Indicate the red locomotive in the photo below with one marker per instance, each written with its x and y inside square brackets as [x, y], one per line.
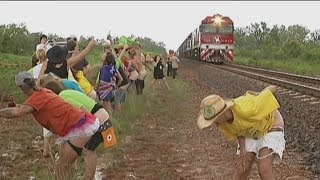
[213, 41]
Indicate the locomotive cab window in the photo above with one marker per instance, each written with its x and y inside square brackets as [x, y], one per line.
[226, 29]
[209, 28]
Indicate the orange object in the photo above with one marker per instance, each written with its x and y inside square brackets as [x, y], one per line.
[109, 137]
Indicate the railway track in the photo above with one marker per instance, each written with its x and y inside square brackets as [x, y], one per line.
[303, 84]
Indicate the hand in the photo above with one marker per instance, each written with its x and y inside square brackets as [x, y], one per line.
[272, 88]
[243, 151]
[92, 43]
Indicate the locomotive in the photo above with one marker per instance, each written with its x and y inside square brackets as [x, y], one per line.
[213, 41]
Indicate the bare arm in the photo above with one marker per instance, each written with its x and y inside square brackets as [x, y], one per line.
[123, 51]
[155, 63]
[241, 141]
[15, 112]
[120, 79]
[73, 60]
[86, 69]
[113, 52]
[42, 71]
[272, 88]
[135, 65]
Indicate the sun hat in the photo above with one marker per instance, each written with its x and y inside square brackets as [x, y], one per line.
[57, 54]
[211, 108]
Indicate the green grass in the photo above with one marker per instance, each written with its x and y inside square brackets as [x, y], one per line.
[297, 66]
[11, 58]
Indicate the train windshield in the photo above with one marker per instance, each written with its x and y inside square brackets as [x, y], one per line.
[226, 29]
[213, 29]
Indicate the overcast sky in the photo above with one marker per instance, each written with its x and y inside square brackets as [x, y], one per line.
[166, 21]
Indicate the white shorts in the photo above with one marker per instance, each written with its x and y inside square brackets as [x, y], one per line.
[272, 140]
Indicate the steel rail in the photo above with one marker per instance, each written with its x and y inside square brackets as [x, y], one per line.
[308, 90]
[308, 79]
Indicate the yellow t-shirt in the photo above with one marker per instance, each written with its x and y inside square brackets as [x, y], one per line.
[253, 115]
[83, 82]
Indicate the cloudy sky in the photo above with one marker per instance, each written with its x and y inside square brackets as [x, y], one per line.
[166, 21]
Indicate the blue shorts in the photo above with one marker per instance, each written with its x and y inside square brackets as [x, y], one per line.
[106, 96]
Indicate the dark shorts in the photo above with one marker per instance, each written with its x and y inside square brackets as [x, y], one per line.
[96, 107]
[97, 137]
[119, 96]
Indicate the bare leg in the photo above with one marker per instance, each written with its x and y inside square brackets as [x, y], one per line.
[90, 159]
[67, 156]
[153, 84]
[265, 164]
[107, 106]
[117, 107]
[243, 167]
[166, 83]
[48, 144]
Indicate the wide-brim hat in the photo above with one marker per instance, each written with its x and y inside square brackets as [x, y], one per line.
[57, 54]
[211, 108]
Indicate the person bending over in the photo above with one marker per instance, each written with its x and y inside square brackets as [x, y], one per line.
[254, 120]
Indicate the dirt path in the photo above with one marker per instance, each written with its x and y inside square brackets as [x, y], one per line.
[167, 144]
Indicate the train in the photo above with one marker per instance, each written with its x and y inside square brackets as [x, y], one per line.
[212, 41]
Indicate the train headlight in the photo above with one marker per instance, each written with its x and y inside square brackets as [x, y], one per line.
[218, 20]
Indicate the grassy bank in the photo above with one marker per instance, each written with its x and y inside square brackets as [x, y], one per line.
[297, 66]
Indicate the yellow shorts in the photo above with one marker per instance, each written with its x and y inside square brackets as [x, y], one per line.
[83, 82]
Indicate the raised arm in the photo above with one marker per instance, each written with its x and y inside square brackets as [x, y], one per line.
[86, 67]
[15, 112]
[113, 52]
[123, 51]
[155, 63]
[73, 60]
[42, 71]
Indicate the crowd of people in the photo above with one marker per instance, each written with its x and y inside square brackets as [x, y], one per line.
[78, 114]
[73, 111]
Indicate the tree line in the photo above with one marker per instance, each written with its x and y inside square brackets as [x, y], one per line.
[260, 41]
[17, 39]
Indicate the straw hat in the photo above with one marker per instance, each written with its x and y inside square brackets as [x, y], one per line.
[211, 108]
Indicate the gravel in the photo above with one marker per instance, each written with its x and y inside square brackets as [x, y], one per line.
[301, 115]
